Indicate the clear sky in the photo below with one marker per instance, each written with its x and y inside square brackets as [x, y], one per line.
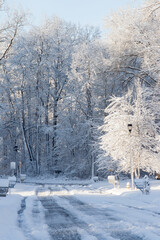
[84, 12]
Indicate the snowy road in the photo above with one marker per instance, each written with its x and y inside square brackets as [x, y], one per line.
[71, 219]
[79, 212]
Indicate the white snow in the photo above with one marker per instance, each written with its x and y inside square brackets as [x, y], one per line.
[4, 183]
[131, 210]
[8, 218]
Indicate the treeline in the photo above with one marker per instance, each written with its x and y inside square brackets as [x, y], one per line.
[56, 80]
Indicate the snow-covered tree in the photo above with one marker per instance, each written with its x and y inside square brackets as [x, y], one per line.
[11, 23]
[40, 72]
[133, 45]
[143, 142]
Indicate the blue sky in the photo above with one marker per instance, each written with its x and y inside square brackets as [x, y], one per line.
[84, 12]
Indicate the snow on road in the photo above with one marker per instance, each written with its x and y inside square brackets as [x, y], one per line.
[80, 212]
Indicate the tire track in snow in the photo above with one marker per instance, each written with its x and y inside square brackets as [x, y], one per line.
[63, 224]
[30, 220]
[21, 222]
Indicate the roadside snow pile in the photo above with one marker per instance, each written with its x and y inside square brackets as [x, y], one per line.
[8, 218]
[12, 181]
[4, 183]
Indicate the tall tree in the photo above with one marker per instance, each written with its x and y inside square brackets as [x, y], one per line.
[9, 30]
[144, 139]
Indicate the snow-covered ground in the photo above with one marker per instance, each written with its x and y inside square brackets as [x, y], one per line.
[93, 211]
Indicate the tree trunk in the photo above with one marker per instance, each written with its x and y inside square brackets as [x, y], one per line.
[55, 117]
[47, 152]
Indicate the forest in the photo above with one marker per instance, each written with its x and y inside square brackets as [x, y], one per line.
[68, 94]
